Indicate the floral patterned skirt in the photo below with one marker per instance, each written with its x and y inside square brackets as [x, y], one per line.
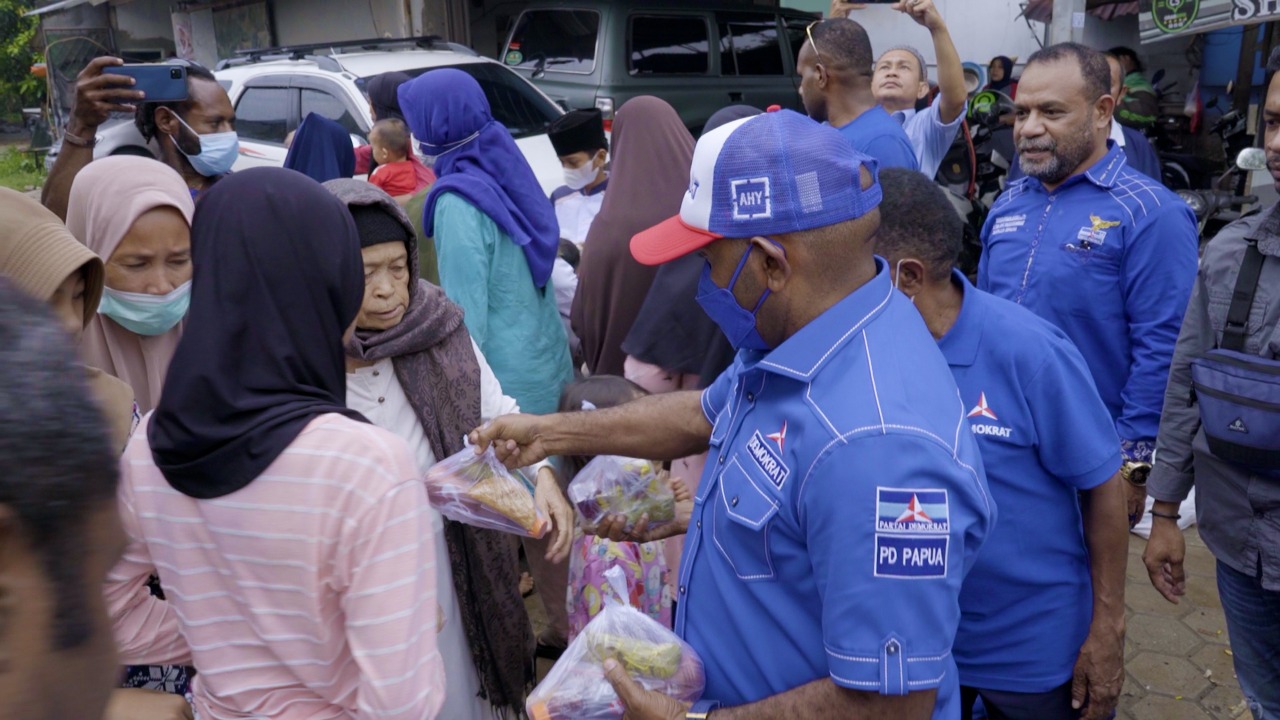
[646, 572]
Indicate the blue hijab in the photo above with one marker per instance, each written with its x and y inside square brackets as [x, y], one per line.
[321, 150]
[477, 159]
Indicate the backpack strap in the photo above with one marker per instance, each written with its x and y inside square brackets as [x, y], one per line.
[1233, 335]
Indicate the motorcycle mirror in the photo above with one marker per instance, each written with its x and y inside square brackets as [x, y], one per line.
[1252, 159]
[1155, 79]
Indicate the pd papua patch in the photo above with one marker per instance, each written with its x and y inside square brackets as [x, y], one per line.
[913, 529]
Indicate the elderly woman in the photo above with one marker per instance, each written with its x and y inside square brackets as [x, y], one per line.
[412, 368]
[292, 537]
[135, 213]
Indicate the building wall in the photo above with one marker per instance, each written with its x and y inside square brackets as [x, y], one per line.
[308, 21]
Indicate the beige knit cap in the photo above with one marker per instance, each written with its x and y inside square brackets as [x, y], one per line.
[38, 252]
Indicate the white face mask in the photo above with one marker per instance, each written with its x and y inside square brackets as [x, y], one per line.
[578, 178]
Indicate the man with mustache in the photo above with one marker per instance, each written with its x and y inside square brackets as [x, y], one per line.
[1088, 243]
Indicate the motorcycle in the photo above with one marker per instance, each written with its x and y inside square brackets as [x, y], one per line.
[1225, 202]
[1182, 166]
[973, 170]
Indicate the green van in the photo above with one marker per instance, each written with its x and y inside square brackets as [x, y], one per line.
[597, 53]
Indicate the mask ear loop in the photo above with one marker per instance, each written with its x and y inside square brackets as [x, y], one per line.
[743, 263]
[897, 276]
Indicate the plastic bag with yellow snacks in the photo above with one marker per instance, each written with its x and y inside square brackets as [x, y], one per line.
[576, 688]
[479, 490]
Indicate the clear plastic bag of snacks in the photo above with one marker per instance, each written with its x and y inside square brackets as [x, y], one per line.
[479, 490]
[577, 689]
[612, 485]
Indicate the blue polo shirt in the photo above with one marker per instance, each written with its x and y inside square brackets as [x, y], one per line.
[1044, 435]
[877, 134]
[842, 505]
[1109, 257]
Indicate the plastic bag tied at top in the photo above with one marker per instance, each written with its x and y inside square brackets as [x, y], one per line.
[576, 688]
[479, 490]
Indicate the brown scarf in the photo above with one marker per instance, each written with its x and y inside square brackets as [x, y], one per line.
[435, 363]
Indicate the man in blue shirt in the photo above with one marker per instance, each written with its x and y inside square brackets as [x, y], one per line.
[1138, 152]
[901, 80]
[844, 499]
[835, 66]
[1105, 253]
[1042, 613]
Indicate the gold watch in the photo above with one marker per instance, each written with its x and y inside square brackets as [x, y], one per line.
[1135, 473]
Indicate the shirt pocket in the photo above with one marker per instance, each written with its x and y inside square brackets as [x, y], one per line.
[744, 510]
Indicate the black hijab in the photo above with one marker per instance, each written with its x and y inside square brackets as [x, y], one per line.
[382, 94]
[1003, 85]
[278, 278]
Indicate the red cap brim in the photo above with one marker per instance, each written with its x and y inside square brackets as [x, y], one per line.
[668, 240]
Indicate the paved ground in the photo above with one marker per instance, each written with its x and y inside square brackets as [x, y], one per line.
[1177, 658]
[1178, 661]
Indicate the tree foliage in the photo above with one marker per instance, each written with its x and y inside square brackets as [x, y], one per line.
[18, 52]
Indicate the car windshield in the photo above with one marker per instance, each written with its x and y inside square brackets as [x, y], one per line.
[515, 103]
[556, 40]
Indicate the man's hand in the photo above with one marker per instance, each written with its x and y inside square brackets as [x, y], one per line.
[134, 704]
[516, 439]
[1164, 554]
[642, 704]
[923, 12]
[99, 94]
[1135, 497]
[614, 527]
[1099, 673]
[551, 502]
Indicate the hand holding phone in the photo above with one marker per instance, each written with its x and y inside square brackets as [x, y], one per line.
[159, 83]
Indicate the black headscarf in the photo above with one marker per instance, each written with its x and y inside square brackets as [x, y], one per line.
[1003, 85]
[278, 278]
[382, 94]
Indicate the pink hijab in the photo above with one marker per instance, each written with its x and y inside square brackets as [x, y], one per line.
[107, 198]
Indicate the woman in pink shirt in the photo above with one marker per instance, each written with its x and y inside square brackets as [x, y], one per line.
[292, 537]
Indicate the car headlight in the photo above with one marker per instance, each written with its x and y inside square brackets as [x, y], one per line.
[1194, 200]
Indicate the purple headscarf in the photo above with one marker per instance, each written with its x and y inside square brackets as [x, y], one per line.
[477, 159]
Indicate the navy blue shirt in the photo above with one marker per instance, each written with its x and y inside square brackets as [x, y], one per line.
[1044, 435]
[1109, 257]
[842, 505]
[875, 133]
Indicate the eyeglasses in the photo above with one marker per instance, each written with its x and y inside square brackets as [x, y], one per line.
[808, 32]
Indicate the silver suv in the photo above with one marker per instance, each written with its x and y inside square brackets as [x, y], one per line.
[272, 90]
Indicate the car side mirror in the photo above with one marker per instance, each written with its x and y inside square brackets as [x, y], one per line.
[1252, 159]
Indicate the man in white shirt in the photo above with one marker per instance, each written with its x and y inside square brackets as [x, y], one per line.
[902, 79]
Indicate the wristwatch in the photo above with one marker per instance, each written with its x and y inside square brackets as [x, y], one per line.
[701, 709]
[1135, 473]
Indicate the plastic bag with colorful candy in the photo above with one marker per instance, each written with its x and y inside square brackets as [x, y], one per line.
[612, 485]
[479, 490]
[576, 688]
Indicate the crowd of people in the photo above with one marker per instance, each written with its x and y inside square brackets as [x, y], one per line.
[901, 492]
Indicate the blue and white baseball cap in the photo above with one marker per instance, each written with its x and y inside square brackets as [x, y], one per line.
[766, 175]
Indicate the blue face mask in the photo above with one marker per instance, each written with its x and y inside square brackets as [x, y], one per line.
[218, 151]
[737, 322]
[146, 314]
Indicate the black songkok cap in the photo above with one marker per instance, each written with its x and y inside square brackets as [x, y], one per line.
[578, 131]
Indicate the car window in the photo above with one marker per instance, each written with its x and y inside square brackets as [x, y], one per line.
[556, 40]
[262, 114]
[796, 35]
[668, 45]
[323, 103]
[513, 100]
[749, 45]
